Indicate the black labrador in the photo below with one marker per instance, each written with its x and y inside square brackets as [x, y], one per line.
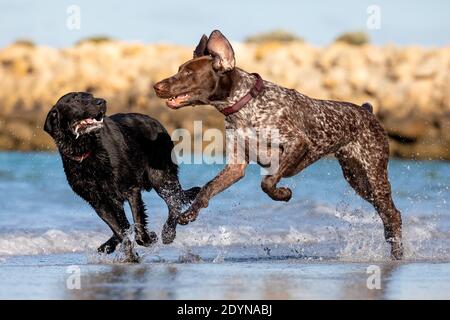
[110, 159]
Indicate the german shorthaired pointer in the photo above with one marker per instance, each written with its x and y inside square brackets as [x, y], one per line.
[308, 129]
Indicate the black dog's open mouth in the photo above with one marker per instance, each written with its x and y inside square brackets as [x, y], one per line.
[178, 101]
[87, 125]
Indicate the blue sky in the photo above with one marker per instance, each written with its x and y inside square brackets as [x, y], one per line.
[319, 22]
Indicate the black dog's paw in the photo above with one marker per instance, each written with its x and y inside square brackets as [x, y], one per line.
[109, 246]
[145, 238]
[168, 233]
[190, 195]
[129, 255]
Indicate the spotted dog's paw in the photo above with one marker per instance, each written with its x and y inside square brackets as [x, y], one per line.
[188, 217]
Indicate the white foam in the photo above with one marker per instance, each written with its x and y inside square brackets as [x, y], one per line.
[51, 241]
[346, 239]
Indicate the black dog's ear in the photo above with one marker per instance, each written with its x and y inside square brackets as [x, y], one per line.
[52, 122]
[201, 50]
[222, 52]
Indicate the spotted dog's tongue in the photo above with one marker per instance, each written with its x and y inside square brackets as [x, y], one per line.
[177, 100]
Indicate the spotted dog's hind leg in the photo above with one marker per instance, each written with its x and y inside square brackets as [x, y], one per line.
[366, 172]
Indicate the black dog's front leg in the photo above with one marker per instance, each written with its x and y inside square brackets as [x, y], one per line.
[109, 246]
[143, 237]
[115, 218]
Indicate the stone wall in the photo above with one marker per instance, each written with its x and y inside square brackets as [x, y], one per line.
[409, 87]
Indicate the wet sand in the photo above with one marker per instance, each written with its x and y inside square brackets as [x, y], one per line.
[272, 278]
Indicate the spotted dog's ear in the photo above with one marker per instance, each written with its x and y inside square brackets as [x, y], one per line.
[52, 122]
[222, 52]
[201, 50]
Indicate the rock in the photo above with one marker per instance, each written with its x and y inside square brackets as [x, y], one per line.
[409, 87]
[359, 78]
[427, 69]
[266, 49]
[410, 128]
[420, 95]
[19, 130]
[334, 77]
[6, 142]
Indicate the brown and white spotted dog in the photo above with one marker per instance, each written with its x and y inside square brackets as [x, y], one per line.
[308, 130]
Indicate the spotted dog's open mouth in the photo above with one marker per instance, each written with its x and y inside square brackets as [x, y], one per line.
[87, 125]
[178, 101]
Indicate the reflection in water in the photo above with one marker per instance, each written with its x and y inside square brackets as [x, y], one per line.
[357, 289]
[276, 280]
[124, 282]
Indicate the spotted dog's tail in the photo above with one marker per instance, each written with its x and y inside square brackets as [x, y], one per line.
[367, 106]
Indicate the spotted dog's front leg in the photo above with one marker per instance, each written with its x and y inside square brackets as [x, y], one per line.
[228, 176]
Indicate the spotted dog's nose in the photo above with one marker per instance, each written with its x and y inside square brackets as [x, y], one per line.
[160, 87]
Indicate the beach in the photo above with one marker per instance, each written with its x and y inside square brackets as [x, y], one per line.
[45, 277]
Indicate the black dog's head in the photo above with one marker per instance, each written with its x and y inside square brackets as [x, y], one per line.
[203, 78]
[75, 114]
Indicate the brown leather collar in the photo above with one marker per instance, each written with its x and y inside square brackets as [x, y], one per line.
[79, 158]
[253, 93]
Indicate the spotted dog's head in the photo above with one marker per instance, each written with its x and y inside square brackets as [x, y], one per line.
[204, 78]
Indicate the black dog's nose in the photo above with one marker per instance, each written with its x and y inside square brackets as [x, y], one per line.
[100, 102]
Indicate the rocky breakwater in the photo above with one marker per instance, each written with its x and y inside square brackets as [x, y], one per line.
[409, 87]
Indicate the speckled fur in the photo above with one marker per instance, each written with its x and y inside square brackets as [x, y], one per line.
[309, 129]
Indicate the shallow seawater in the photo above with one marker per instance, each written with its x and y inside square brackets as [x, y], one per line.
[244, 245]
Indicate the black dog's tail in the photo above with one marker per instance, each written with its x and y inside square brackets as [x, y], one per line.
[190, 194]
[367, 106]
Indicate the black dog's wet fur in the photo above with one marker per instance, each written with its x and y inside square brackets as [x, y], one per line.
[130, 153]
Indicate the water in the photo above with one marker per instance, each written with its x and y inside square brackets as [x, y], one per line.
[243, 239]
[319, 22]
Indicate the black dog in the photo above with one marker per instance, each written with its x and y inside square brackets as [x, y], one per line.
[108, 160]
